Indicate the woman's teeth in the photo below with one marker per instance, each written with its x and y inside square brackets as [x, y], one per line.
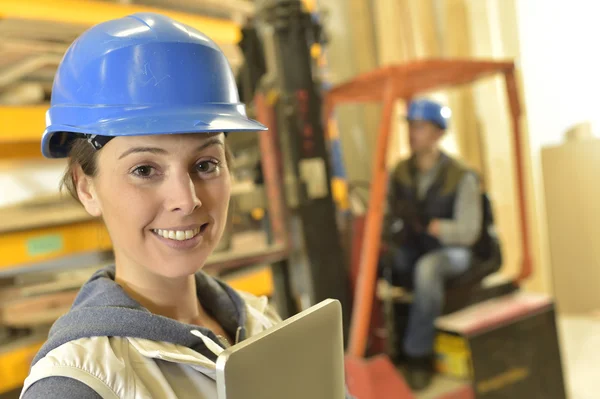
[177, 235]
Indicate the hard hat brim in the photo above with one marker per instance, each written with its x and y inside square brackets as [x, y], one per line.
[434, 122]
[57, 137]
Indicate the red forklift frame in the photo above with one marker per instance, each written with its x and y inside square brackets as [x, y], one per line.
[386, 85]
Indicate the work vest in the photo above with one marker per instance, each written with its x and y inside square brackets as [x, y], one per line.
[438, 202]
[134, 368]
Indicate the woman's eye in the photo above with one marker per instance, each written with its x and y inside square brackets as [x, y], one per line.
[143, 171]
[207, 166]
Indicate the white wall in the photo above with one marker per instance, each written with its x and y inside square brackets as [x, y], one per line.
[561, 66]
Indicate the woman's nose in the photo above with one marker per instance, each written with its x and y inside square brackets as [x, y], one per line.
[181, 194]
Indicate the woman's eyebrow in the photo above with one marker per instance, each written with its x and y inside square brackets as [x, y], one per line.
[162, 151]
[135, 150]
[209, 143]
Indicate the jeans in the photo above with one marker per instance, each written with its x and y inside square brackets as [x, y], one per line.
[426, 275]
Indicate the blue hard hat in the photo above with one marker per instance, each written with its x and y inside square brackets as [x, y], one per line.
[430, 111]
[144, 74]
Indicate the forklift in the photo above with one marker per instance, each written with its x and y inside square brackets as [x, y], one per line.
[280, 82]
[404, 82]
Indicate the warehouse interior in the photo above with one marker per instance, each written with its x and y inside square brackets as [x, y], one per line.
[333, 81]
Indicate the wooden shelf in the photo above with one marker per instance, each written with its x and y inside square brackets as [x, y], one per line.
[42, 212]
[38, 232]
[50, 243]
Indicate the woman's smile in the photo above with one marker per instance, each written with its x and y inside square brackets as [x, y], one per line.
[183, 238]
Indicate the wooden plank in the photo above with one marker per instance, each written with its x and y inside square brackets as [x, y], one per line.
[221, 262]
[35, 311]
[62, 281]
[42, 213]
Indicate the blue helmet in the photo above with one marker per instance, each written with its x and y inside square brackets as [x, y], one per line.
[144, 74]
[430, 111]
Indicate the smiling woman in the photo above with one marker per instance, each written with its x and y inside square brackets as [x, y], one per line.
[163, 198]
[142, 116]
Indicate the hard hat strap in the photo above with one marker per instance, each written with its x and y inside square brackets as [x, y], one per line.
[98, 141]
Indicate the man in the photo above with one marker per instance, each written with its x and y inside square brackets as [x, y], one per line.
[434, 218]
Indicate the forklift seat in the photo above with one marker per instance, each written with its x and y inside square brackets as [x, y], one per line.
[456, 288]
[481, 267]
[467, 289]
[487, 259]
[462, 291]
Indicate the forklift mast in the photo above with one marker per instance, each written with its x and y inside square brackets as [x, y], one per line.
[287, 32]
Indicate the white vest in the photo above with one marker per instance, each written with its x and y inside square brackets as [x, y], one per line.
[133, 368]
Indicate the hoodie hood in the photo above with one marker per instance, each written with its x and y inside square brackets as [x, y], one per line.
[102, 308]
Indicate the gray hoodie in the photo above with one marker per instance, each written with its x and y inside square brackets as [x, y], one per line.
[102, 308]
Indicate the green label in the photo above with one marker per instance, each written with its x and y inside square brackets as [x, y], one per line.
[44, 245]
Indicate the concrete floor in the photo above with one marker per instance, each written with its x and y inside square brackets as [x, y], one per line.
[441, 386]
[580, 348]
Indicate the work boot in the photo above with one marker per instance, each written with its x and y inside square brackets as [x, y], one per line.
[419, 372]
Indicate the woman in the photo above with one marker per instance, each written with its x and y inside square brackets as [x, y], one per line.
[140, 106]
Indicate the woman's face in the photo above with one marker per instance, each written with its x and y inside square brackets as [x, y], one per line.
[163, 198]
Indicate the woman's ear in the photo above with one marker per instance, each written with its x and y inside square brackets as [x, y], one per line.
[86, 192]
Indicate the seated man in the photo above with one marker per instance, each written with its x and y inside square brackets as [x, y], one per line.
[434, 218]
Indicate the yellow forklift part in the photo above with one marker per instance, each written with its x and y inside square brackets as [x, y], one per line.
[257, 213]
[339, 191]
[316, 51]
[89, 12]
[256, 281]
[47, 243]
[15, 360]
[453, 356]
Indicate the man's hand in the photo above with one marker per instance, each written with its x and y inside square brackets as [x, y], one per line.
[434, 227]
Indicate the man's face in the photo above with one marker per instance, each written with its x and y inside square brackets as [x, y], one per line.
[424, 136]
